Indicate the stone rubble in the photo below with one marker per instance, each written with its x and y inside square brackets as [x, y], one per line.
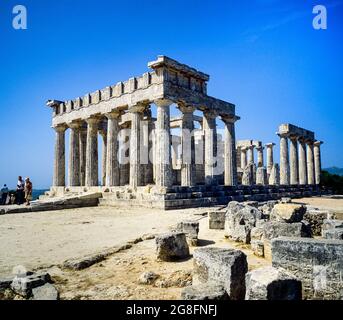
[171, 246]
[205, 291]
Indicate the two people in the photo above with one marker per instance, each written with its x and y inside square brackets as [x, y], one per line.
[24, 191]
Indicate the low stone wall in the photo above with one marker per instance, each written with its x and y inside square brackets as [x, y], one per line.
[317, 263]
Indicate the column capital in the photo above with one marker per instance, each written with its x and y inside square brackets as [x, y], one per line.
[229, 119]
[139, 107]
[318, 143]
[210, 114]
[60, 128]
[282, 135]
[163, 103]
[92, 120]
[259, 148]
[293, 137]
[114, 114]
[270, 145]
[309, 142]
[185, 108]
[74, 125]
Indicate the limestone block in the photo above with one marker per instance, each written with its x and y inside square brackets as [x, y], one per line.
[317, 263]
[171, 246]
[148, 277]
[216, 220]
[191, 230]
[23, 284]
[316, 219]
[331, 224]
[225, 267]
[5, 283]
[257, 246]
[286, 200]
[288, 212]
[204, 291]
[261, 176]
[269, 283]
[45, 292]
[333, 234]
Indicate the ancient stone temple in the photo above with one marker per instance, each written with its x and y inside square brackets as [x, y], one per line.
[144, 163]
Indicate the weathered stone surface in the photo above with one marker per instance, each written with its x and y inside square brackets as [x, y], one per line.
[272, 284]
[316, 219]
[317, 263]
[261, 176]
[288, 212]
[286, 200]
[216, 220]
[274, 229]
[205, 291]
[267, 207]
[171, 246]
[191, 230]
[84, 262]
[5, 283]
[333, 234]
[148, 277]
[257, 246]
[239, 220]
[23, 284]
[223, 266]
[329, 224]
[45, 292]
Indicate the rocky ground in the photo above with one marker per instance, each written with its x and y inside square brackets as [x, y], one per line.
[45, 240]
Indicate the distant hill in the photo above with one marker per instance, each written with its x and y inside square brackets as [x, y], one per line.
[335, 170]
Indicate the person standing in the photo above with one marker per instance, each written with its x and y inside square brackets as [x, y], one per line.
[4, 194]
[28, 191]
[20, 191]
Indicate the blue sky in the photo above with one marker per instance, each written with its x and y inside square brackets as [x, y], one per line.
[262, 55]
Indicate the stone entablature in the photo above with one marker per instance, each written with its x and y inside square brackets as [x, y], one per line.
[291, 130]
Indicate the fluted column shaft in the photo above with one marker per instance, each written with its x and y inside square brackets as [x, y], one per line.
[103, 134]
[284, 160]
[164, 177]
[59, 160]
[270, 157]
[188, 146]
[92, 153]
[317, 161]
[251, 154]
[302, 162]
[259, 156]
[83, 146]
[230, 156]
[243, 158]
[294, 175]
[310, 162]
[74, 155]
[210, 132]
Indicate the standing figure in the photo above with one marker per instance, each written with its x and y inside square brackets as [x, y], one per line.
[28, 191]
[20, 191]
[4, 194]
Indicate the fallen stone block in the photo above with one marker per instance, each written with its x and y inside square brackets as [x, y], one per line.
[148, 277]
[45, 292]
[316, 219]
[331, 224]
[23, 284]
[288, 212]
[204, 291]
[84, 262]
[216, 220]
[285, 200]
[257, 246]
[171, 246]
[191, 230]
[257, 233]
[267, 207]
[226, 267]
[272, 284]
[333, 234]
[317, 263]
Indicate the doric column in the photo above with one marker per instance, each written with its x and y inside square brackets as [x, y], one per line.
[164, 177]
[188, 146]
[210, 132]
[284, 160]
[112, 164]
[270, 157]
[136, 168]
[294, 176]
[302, 162]
[59, 160]
[251, 158]
[230, 156]
[92, 152]
[243, 157]
[83, 144]
[259, 156]
[317, 161]
[103, 133]
[74, 155]
[147, 148]
[274, 177]
[310, 162]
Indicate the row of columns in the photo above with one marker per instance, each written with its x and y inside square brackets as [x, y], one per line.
[301, 164]
[83, 151]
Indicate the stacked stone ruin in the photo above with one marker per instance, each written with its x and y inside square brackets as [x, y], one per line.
[163, 170]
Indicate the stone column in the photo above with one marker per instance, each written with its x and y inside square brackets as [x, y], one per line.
[136, 168]
[317, 161]
[83, 144]
[112, 164]
[274, 177]
[164, 176]
[210, 132]
[259, 156]
[302, 162]
[59, 160]
[310, 162]
[147, 151]
[188, 146]
[103, 133]
[92, 152]
[230, 156]
[74, 155]
[270, 157]
[294, 176]
[284, 160]
[251, 158]
[243, 158]
[261, 176]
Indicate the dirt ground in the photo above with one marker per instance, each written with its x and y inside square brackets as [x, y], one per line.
[45, 240]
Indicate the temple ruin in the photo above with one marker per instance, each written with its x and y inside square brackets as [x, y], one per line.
[144, 163]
